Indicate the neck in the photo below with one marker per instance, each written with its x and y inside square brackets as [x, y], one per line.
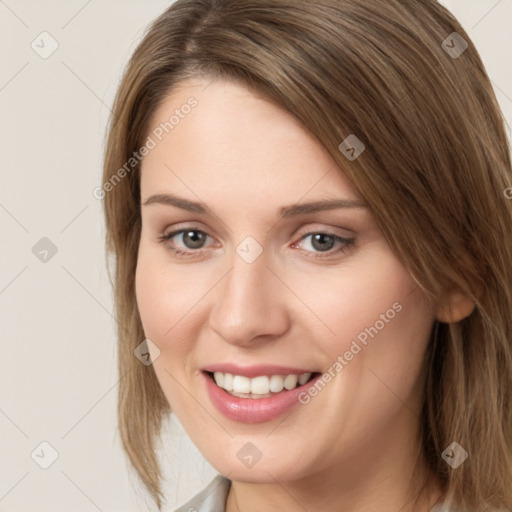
[385, 476]
[321, 496]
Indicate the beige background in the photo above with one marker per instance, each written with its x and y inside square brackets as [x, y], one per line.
[58, 365]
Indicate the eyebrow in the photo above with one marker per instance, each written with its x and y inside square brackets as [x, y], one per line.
[285, 211]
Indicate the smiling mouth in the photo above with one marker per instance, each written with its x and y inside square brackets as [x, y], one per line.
[263, 386]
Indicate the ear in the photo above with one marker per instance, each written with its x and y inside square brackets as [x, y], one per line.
[455, 308]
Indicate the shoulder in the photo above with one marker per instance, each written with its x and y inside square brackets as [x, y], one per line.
[211, 499]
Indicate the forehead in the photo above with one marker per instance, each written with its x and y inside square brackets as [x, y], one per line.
[218, 136]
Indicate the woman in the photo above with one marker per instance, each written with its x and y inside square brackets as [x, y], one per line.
[307, 206]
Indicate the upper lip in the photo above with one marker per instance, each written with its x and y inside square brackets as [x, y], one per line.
[255, 370]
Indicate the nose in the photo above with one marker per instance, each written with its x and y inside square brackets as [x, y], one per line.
[249, 304]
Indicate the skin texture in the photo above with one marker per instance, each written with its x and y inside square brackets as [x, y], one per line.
[353, 446]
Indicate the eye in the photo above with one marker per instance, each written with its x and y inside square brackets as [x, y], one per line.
[323, 243]
[192, 239]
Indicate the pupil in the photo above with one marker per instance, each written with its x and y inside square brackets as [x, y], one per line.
[320, 239]
[195, 239]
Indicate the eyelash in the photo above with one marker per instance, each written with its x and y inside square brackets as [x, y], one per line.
[347, 243]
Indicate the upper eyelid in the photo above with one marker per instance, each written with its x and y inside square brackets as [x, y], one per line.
[176, 230]
[196, 226]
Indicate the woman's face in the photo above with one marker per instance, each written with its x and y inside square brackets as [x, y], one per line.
[267, 284]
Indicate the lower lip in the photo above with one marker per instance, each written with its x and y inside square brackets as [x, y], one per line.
[254, 410]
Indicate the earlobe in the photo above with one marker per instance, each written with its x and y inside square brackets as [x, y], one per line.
[457, 307]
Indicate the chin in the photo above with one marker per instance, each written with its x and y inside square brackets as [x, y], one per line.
[262, 472]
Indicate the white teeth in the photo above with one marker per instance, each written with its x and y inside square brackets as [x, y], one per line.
[260, 385]
[304, 378]
[228, 382]
[290, 382]
[276, 383]
[239, 385]
[219, 378]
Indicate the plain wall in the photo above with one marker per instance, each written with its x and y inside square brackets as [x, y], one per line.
[58, 367]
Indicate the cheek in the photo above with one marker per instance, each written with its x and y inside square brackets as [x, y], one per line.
[383, 329]
[152, 296]
[163, 298]
[371, 297]
[165, 301]
[374, 361]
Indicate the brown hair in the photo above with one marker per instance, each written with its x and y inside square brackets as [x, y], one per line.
[434, 171]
